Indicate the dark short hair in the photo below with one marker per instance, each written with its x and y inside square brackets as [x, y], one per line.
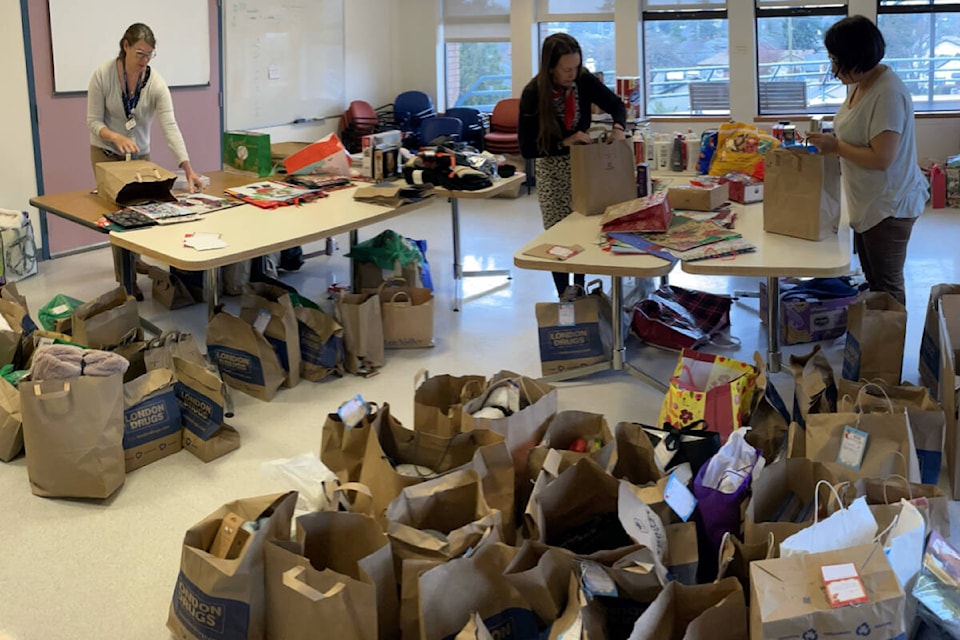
[134, 34]
[855, 43]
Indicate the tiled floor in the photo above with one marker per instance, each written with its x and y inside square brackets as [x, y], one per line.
[77, 570]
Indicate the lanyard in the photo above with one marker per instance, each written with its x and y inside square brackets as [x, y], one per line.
[130, 102]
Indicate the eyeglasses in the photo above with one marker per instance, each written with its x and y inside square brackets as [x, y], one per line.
[145, 55]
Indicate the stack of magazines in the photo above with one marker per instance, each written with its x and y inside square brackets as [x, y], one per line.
[688, 238]
[185, 208]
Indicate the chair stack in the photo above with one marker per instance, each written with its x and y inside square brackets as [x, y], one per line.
[410, 109]
[474, 125]
[437, 129]
[357, 121]
[504, 121]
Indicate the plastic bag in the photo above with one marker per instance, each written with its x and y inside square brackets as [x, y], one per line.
[305, 474]
[385, 250]
[740, 147]
[731, 466]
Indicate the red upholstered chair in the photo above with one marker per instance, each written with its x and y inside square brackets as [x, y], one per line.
[357, 121]
[502, 137]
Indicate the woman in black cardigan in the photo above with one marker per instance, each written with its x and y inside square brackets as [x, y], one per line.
[555, 110]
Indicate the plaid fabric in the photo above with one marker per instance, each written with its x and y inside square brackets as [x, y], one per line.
[678, 318]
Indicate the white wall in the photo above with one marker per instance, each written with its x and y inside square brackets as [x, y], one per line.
[17, 178]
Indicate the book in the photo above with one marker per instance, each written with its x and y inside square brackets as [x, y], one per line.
[186, 205]
[269, 194]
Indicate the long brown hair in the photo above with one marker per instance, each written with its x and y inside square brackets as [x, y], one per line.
[554, 47]
[134, 34]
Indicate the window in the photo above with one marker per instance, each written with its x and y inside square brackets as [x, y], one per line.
[686, 59]
[923, 47]
[591, 23]
[476, 52]
[793, 69]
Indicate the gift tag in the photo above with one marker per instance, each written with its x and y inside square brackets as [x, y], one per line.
[561, 252]
[852, 446]
[565, 315]
[353, 411]
[679, 498]
[843, 583]
[662, 455]
[59, 309]
[263, 319]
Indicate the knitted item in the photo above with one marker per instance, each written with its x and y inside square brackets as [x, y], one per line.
[60, 361]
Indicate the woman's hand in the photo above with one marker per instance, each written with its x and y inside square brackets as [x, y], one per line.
[194, 183]
[578, 137]
[125, 144]
[616, 133]
[826, 143]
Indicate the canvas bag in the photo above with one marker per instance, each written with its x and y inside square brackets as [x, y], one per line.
[365, 452]
[246, 359]
[523, 429]
[788, 598]
[801, 193]
[200, 392]
[438, 400]
[321, 341]
[876, 331]
[700, 612]
[339, 572]
[278, 324]
[601, 175]
[73, 435]
[19, 257]
[360, 316]
[927, 420]
[225, 598]
[110, 319]
[890, 448]
[11, 422]
[451, 593]
[134, 182]
[151, 419]
[716, 389]
[570, 334]
[815, 390]
[407, 316]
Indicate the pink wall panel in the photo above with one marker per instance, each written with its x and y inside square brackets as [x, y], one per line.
[65, 142]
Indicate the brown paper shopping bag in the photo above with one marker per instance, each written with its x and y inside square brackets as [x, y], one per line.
[106, 321]
[700, 612]
[12, 341]
[788, 598]
[451, 593]
[200, 392]
[338, 577]
[574, 435]
[438, 400]
[278, 324]
[222, 595]
[11, 422]
[161, 351]
[815, 389]
[73, 435]
[407, 316]
[801, 193]
[151, 419]
[601, 175]
[570, 334]
[362, 320]
[169, 290]
[246, 360]
[134, 182]
[321, 344]
[876, 331]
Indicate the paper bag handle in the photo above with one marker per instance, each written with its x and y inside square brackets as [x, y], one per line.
[880, 389]
[293, 579]
[816, 498]
[52, 395]
[393, 298]
[906, 483]
[419, 378]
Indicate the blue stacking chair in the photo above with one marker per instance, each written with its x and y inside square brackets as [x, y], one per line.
[439, 127]
[474, 125]
[410, 108]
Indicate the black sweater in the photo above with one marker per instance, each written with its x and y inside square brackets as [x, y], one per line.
[590, 91]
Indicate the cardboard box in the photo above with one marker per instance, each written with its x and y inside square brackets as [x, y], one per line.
[746, 193]
[247, 151]
[806, 319]
[698, 198]
[949, 320]
[381, 154]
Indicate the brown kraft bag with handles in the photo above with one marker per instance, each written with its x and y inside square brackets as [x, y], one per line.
[134, 182]
[601, 175]
[247, 361]
[280, 329]
[108, 320]
[801, 194]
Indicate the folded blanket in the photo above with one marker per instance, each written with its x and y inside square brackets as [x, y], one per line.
[59, 361]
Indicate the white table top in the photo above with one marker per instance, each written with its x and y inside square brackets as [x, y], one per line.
[250, 231]
[776, 255]
[499, 186]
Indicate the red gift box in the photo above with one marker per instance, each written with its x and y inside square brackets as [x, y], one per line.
[652, 213]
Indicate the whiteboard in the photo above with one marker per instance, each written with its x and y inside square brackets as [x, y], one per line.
[283, 61]
[86, 34]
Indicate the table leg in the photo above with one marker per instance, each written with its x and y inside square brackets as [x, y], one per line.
[457, 267]
[354, 271]
[128, 270]
[773, 324]
[212, 286]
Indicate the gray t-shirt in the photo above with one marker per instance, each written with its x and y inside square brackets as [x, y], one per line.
[105, 109]
[900, 190]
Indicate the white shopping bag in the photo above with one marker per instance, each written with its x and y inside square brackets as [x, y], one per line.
[844, 528]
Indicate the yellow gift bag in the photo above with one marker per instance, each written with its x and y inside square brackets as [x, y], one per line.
[716, 389]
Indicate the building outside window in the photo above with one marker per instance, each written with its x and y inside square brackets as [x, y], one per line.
[477, 60]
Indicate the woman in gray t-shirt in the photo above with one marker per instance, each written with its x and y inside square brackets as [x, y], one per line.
[884, 188]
